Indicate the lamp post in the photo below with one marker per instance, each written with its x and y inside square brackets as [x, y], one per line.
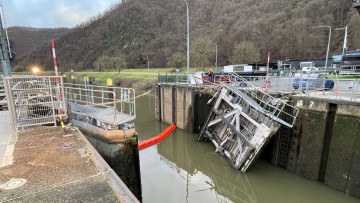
[188, 42]
[345, 38]
[328, 46]
[216, 57]
[35, 70]
[327, 51]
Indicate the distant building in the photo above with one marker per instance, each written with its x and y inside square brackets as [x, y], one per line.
[336, 61]
[262, 66]
[295, 63]
[350, 63]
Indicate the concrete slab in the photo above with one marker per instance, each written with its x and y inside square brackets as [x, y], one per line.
[50, 166]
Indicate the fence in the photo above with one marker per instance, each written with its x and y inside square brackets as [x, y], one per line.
[111, 105]
[172, 78]
[34, 100]
[275, 108]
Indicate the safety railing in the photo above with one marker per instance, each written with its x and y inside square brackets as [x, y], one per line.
[2, 89]
[172, 78]
[119, 102]
[344, 89]
[34, 100]
[273, 107]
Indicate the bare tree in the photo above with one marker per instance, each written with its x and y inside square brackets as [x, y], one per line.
[201, 50]
[245, 52]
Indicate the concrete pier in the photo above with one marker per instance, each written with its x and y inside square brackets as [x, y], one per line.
[50, 165]
[180, 104]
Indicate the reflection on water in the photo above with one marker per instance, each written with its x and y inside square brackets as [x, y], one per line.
[182, 170]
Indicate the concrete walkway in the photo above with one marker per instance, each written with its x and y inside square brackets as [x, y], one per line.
[53, 166]
[5, 132]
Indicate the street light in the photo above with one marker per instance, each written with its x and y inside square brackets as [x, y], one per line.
[35, 70]
[345, 39]
[327, 52]
[188, 41]
[328, 46]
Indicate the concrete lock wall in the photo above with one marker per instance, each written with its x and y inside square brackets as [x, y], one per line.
[308, 135]
[158, 103]
[326, 144]
[184, 104]
[343, 168]
[166, 103]
[176, 105]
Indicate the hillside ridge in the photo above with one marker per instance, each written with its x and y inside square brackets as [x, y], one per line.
[132, 32]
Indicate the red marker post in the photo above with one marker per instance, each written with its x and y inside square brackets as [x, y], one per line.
[267, 82]
[57, 79]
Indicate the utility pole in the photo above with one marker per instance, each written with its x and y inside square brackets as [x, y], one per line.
[216, 57]
[345, 38]
[345, 41]
[4, 45]
[327, 52]
[148, 63]
[188, 42]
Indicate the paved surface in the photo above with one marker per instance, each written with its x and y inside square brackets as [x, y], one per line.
[50, 166]
[5, 131]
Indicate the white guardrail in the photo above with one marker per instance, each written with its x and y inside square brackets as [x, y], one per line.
[89, 100]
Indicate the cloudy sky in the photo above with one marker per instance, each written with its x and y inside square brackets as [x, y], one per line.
[52, 13]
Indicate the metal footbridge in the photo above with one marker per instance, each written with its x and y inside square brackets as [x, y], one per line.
[105, 106]
[243, 119]
[39, 100]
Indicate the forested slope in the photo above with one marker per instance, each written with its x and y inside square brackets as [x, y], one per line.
[130, 33]
[27, 39]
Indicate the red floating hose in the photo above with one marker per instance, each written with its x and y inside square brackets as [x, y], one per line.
[158, 138]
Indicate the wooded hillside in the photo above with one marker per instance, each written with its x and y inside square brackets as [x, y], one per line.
[131, 33]
[27, 39]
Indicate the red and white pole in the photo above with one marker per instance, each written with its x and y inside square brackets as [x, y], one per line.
[57, 78]
[54, 56]
[267, 82]
[267, 67]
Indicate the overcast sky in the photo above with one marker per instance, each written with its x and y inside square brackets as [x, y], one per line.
[52, 13]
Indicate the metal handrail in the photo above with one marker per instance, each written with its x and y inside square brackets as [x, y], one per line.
[274, 107]
[121, 100]
[34, 100]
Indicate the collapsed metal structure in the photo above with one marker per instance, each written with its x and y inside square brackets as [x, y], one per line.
[243, 119]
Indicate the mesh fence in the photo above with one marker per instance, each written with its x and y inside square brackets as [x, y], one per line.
[35, 100]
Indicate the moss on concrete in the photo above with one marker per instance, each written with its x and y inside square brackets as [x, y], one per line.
[343, 169]
[311, 125]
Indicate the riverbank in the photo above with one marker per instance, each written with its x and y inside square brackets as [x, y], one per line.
[132, 78]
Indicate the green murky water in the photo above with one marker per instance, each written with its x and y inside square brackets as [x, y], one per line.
[182, 170]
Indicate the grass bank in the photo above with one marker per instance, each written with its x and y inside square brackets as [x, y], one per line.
[345, 76]
[136, 78]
